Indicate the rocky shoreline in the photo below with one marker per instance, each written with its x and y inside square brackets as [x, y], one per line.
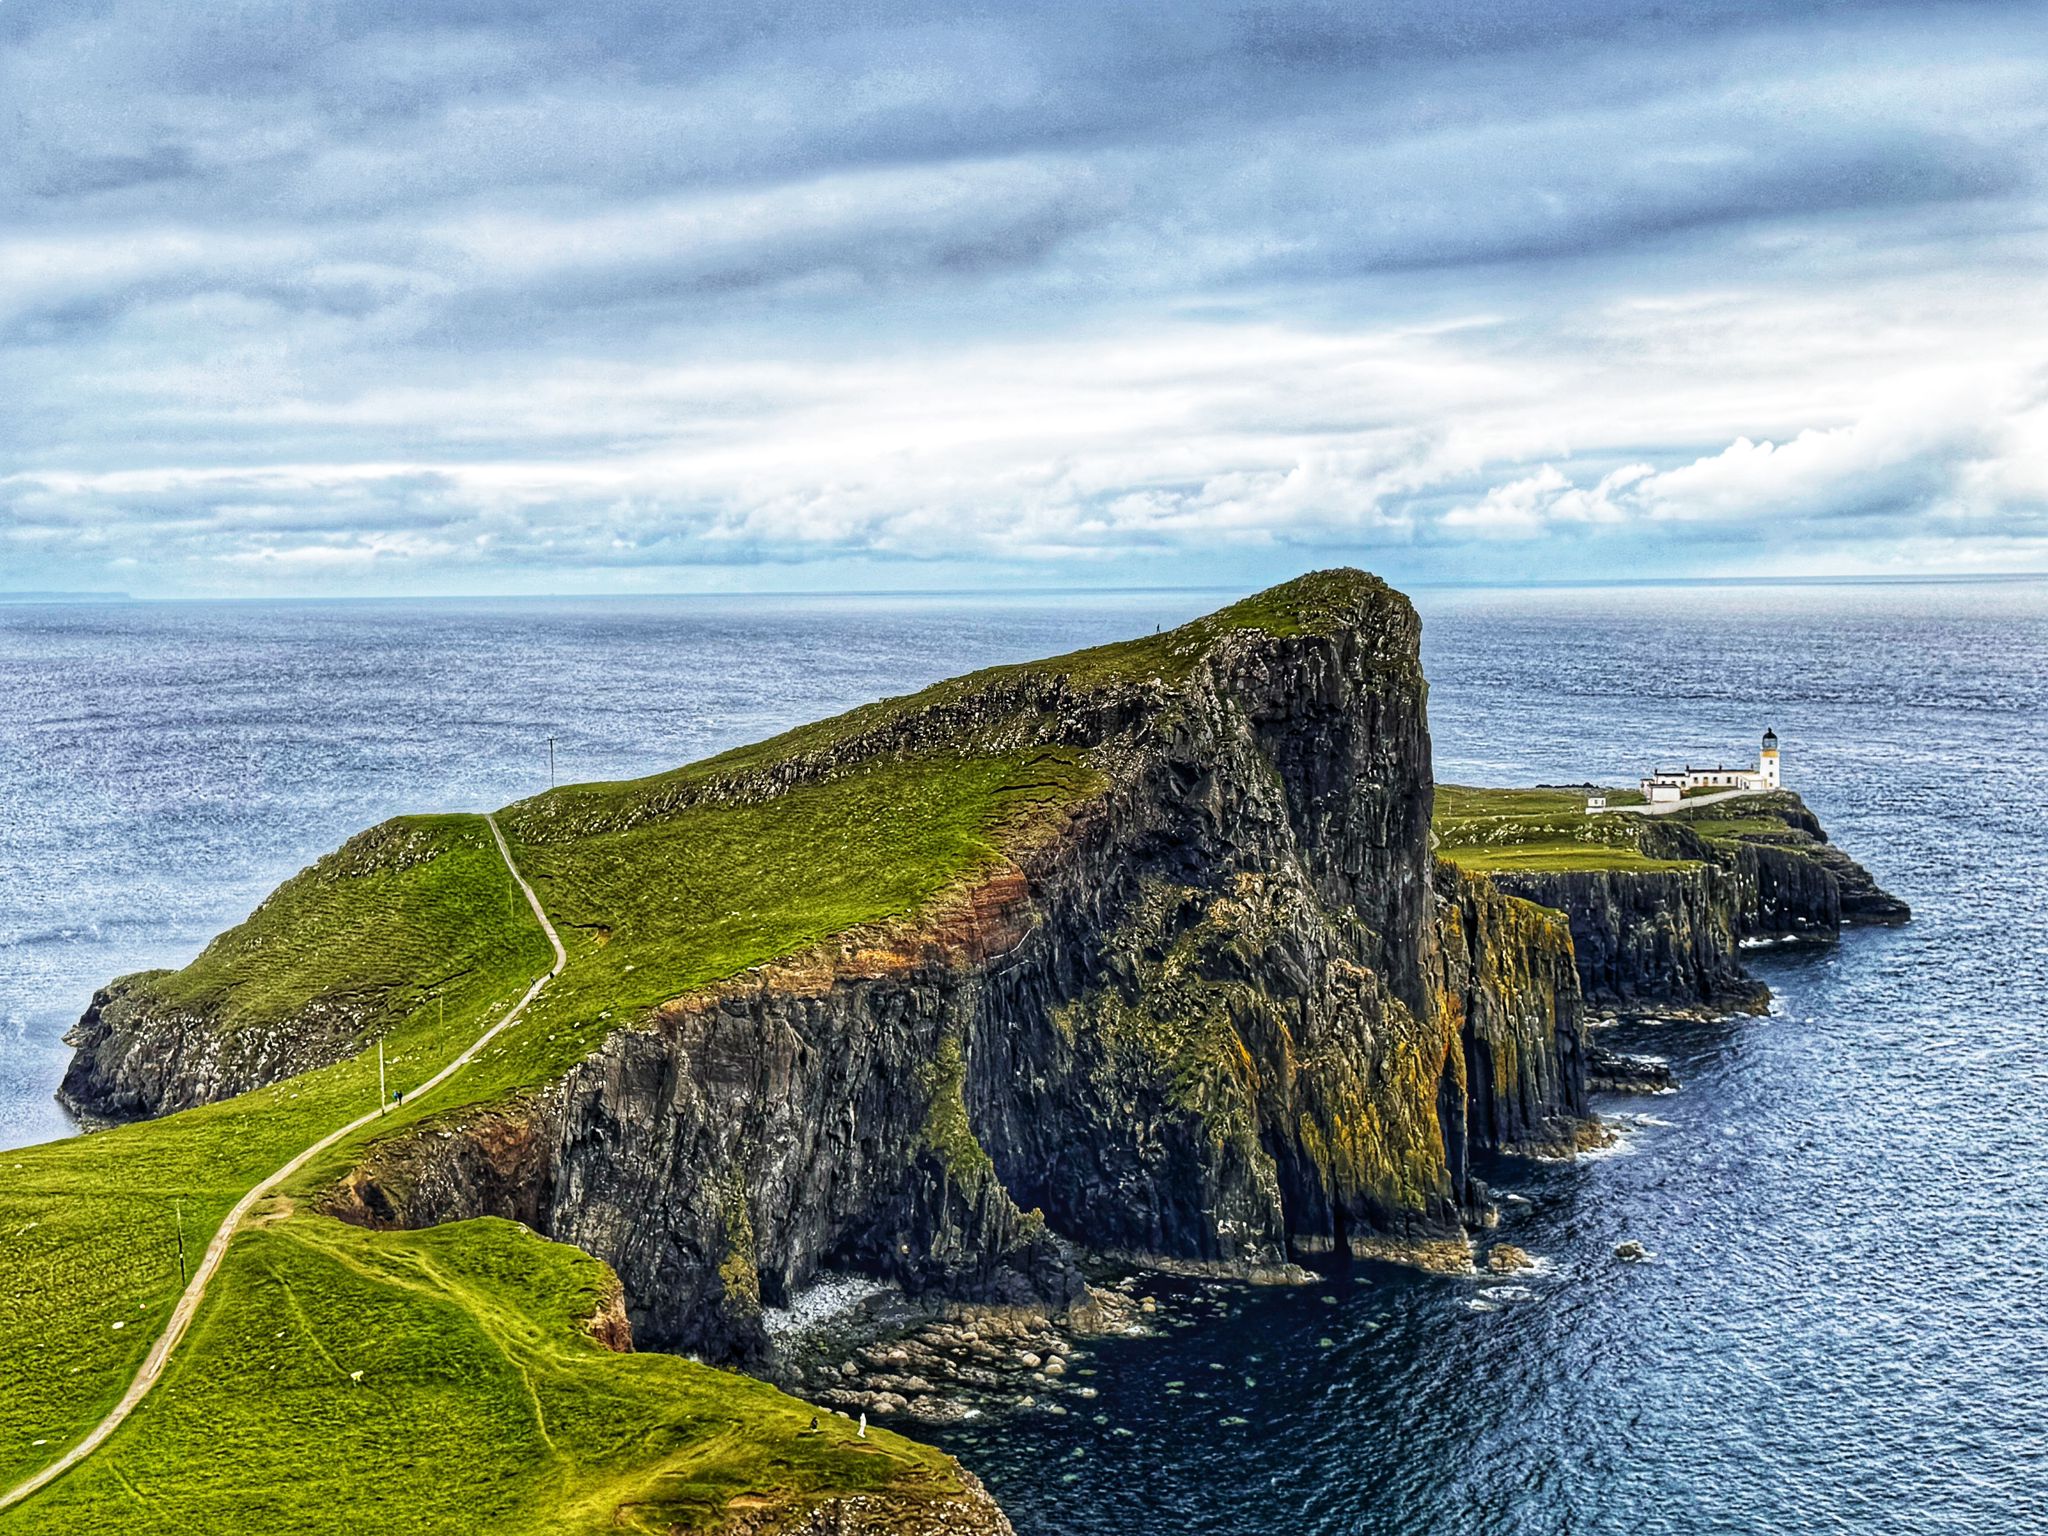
[948, 1363]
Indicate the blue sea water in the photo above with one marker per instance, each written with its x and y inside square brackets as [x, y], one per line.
[1842, 1329]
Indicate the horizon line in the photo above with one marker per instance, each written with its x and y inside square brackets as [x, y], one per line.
[34, 597]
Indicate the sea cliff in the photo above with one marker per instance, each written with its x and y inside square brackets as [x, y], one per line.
[1170, 952]
[1223, 1009]
[1214, 1001]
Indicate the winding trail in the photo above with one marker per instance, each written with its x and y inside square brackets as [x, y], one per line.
[195, 1290]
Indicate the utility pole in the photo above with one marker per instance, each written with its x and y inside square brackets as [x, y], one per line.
[551, 762]
[380, 1075]
[178, 1217]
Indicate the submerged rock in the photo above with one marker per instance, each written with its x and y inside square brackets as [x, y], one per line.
[1613, 1072]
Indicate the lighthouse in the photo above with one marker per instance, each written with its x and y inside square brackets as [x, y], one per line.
[1767, 761]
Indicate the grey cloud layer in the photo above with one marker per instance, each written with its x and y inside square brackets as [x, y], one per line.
[440, 291]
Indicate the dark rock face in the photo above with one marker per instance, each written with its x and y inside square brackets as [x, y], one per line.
[1782, 893]
[1656, 938]
[1508, 975]
[1230, 1013]
[130, 1060]
[134, 1057]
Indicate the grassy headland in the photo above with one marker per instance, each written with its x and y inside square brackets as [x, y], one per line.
[89, 1227]
[484, 1403]
[443, 948]
[1548, 830]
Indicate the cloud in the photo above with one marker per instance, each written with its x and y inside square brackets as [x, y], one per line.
[1935, 462]
[466, 294]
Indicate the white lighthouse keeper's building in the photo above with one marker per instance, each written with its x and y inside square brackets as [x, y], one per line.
[1671, 784]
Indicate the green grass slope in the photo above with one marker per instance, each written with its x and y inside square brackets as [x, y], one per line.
[90, 1240]
[484, 1405]
[410, 909]
[255, 1426]
[89, 1226]
[703, 893]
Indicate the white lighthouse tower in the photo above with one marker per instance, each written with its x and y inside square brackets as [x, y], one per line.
[1767, 761]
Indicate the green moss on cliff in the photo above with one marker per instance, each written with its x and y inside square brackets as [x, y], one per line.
[1178, 1027]
[739, 1274]
[946, 1128]
[1508, 986]
[1371, 1127]
[1194, 1028]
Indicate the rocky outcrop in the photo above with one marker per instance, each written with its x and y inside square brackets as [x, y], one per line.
[1779, 893]
[1616, 1072]
[1790, 881]
[1226, 1012]
[608, 1323]
[133, 1057]
[970, 1513]
[1667, 939]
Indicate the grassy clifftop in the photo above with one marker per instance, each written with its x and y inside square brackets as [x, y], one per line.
[1540, 831]
[1491, 831]
[994, 710]
[484, 1404]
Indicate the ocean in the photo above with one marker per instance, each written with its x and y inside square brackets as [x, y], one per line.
[1841, 1327]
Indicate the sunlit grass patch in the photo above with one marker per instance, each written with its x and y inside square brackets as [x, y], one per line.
[89, 1226]
[1496, 831]
[483, 1404]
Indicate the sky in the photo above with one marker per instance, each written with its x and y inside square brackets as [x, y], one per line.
[489, 296]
